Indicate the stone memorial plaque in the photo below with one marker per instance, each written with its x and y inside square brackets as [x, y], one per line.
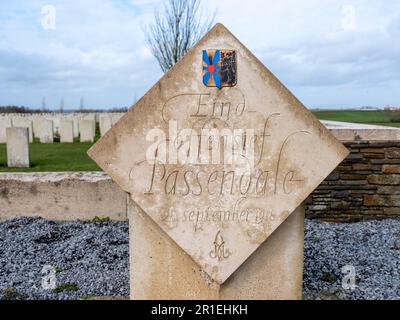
[218, 153]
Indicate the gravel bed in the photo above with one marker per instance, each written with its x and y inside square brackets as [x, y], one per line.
[372, 248]
[91, 259]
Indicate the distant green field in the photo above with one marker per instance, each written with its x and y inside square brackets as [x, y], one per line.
[370, 117]
[53, 157]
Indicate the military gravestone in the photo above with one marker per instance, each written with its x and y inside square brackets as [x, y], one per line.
[86, 130]
[218, 157]
[18, 147]
[66, 131]
[46, 131]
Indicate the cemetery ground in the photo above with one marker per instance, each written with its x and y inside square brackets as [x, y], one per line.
[91, 259]
[55, 157]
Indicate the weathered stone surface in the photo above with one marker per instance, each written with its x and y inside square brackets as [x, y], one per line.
[388, 179]
[365, 166]
[61, 196]
[216, 211]
[4, 124]
[24, 123]
[366, 134]
[17, 147]
[354, 156]
[373, 150]
[91, 117]
[382, 200]
[373, 155]
[395, 211]
[86, 130]
[391, 168]
[371, 190]
[388, 190]
[66, 131]
[115, 118]
[352, 176]
[385, 161]
[161, 270]
[382, 182]
[393, 153]
[46, 134]
[332, 177]
[319, 207]
[351, 183]
[105, 124]
[340, 205]
[36, 125]
[340, 194]
[76, 126]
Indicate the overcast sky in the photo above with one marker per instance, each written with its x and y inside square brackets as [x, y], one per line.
[328, 53]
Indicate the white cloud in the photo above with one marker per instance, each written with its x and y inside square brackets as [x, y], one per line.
[98, 49]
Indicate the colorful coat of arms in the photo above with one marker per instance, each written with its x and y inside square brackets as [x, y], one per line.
[219, 68]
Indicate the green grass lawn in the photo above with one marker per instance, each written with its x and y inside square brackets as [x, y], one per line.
[53, 157]
[369, 117]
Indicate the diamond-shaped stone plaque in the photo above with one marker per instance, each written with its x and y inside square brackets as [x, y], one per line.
[218, 153]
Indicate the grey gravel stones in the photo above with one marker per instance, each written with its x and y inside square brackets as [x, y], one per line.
[372, 248]
[91, 259]
[88, 258]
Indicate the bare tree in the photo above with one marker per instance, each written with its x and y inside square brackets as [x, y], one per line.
[82, 104]
[43, 103]
[175, 31]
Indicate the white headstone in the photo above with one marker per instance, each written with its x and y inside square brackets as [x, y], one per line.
[24, 123]
[56, 122]
[116, 117]
[17, 147]
[86, 129]
[75, 120]
[91, 116]
[5, 123]
[36, 124]
[66, 131]
[105, 124]
[46, 134]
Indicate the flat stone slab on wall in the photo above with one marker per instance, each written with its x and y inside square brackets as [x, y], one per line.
[61, 196]
[346, 131]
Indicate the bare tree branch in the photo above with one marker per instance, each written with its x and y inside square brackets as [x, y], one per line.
[175, 31]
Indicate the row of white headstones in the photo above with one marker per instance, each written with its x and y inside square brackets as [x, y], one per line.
[18, 130]
[44, 127]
